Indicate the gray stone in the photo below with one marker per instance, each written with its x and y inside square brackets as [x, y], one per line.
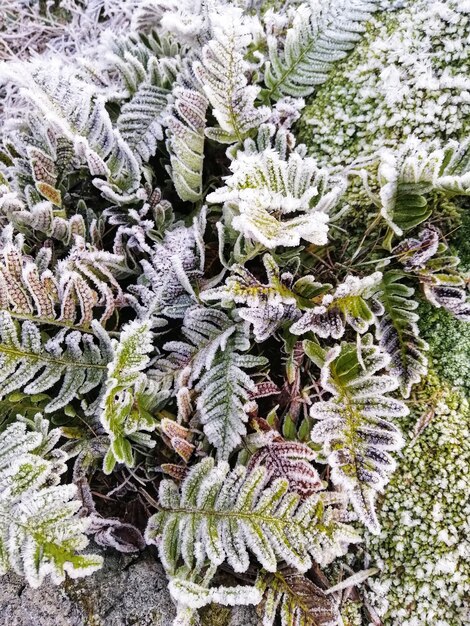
[126, 592]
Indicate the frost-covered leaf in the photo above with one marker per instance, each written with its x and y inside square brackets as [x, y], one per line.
[268, 305]
[278, 202]
[321, 34]
[186, 124]
[40, 532]
[353, 303]
[71, 359]
[224, 393]
[296, 599]
[222, 72]
[290, 460]
[407, 175]
[437, 271]
[120, 413]
[398, 332]
[353, 425]
[169, 279]
[221, 514]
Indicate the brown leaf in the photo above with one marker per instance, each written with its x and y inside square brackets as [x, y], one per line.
[291, 460]
[301, 602]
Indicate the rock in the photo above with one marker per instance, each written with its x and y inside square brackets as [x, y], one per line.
[126, 592]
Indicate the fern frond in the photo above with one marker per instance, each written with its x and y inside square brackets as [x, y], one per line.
[140, 120]
[221, 514]
[120, 414]
[406, 176]
[28, 364]
[297, 600]
[320, 35]
[76, 110]
[206, 332]
[186, 124]
[265, 189]
[225, 391]
[398, 332]
[353, 426]
[222, 72]
[268, 305]
[352, 303]
[170, 278]
[40, 532]
[290, 460]
[41, 217]
[78, 284]
[426, 258]
[142, 59]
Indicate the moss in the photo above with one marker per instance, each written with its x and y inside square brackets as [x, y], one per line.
[383, 91]
[423, 550]
[449, 345]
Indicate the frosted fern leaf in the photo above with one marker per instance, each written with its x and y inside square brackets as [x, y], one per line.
[353, 427]
[268, 305]
[437, 271]
[170, 277]
[32, 366]
[221, 514]
[321, 34]
[264, 190]
[290, 460]
[405, 177]
[185, 140]
[76, 110]
[222, 73]
[225, 393]
[40, 532]
[207, 332]
[187, 593]
[40, 217]
[352, 303]
[140, 120]
[398, 332]
[120, 414]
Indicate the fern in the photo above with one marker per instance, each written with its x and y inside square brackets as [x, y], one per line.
[264, 189]
[225, 391]
[40, 532]
[76, 110]
[297, 599]
[222, 72]
[207, 332]
[319, 36]
[140, 120]
[423, 256]
[220, 514]
[268, 305]
[407, 175]
[30, 365]
[290, 460]
[175, 266]
[41, 217]
[185, 140]
[121, 415]
[352, 303]
[30, 290]
[352, 426]
[398, 332]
